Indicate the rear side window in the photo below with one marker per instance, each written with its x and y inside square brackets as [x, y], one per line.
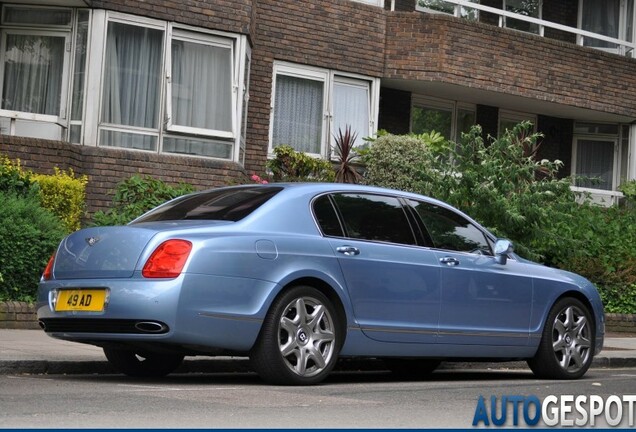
[218, 204]
[449, 230]
[374, 217]
[326, 217]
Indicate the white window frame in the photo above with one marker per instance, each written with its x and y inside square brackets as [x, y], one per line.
[308, 73]
[355, 81]
[622, 26]
[103, 126]
[94, 88]
[612, 140]
[204, 39]
[422, 101]
[64, 31]
[328, 78]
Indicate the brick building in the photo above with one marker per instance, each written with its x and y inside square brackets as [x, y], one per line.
[201, 91]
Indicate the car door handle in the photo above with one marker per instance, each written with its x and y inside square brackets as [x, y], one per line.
[348, 250]
[449, 261]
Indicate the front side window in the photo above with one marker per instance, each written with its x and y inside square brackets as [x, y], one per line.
[442, 6]
[449, 230]
[374, 218]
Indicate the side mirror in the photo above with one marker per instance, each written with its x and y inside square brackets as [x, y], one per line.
[502, 248]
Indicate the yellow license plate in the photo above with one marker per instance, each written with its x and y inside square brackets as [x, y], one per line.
[89, 300]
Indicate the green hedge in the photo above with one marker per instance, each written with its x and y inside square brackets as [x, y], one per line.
[29, 234]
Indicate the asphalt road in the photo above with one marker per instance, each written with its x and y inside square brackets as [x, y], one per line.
[372, 399]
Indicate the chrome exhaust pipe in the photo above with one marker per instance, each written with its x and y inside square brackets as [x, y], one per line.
[151, 327]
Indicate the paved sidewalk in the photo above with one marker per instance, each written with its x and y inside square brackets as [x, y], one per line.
[32, 351]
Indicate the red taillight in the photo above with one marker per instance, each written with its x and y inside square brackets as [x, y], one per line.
[167, 260]
[48, 270]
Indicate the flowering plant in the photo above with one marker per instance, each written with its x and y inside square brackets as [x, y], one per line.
[257, 179]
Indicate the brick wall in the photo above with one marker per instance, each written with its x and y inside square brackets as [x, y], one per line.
[108, 166]
[433, 47]
[17, 315]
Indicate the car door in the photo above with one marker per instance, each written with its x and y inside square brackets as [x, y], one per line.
[482, 302]
[392, 281]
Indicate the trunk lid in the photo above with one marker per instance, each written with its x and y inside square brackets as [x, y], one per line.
[101, 252]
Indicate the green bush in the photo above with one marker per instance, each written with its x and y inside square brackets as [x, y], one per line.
[137, 195]
[13, 178]
[288, 165]
[64, 194]
[397, 161]
[29, 235]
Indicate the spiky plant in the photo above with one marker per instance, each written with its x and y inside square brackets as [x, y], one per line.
[345, 171]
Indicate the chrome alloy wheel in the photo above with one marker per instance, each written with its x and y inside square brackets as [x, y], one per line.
[306, 336]
[571, 339]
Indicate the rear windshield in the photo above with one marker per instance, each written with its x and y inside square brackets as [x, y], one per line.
[219, 204]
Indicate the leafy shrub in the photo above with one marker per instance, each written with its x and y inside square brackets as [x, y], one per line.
[64, 194]
[397, 161]
[13, 178]
[289, 165]
[135, 196]
[29, 235]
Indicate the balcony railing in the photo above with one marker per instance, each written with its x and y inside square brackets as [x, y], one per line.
[463, 8]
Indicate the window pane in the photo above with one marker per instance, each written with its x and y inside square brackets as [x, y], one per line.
[33, 67]
[79, 73]
[327, 218]
[199, 147]
[36, 16]
[351, 108]
[465, 120]
[374, 217]
[529, 8]
[298, 113]
[595, 161]
[602, 17]
[450, 231]
[449, 8]
[596, 128]
[132, 76]
[201, 86]
[110, 138]
[426, 119]
[219, 204]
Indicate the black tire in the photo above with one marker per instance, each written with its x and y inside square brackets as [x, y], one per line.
[411, 369]
[567, 344]
[141, 364]
[300, 339]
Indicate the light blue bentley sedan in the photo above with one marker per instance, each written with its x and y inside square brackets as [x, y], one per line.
[296, 276]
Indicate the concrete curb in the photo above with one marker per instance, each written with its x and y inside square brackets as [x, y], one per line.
[241, 365]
